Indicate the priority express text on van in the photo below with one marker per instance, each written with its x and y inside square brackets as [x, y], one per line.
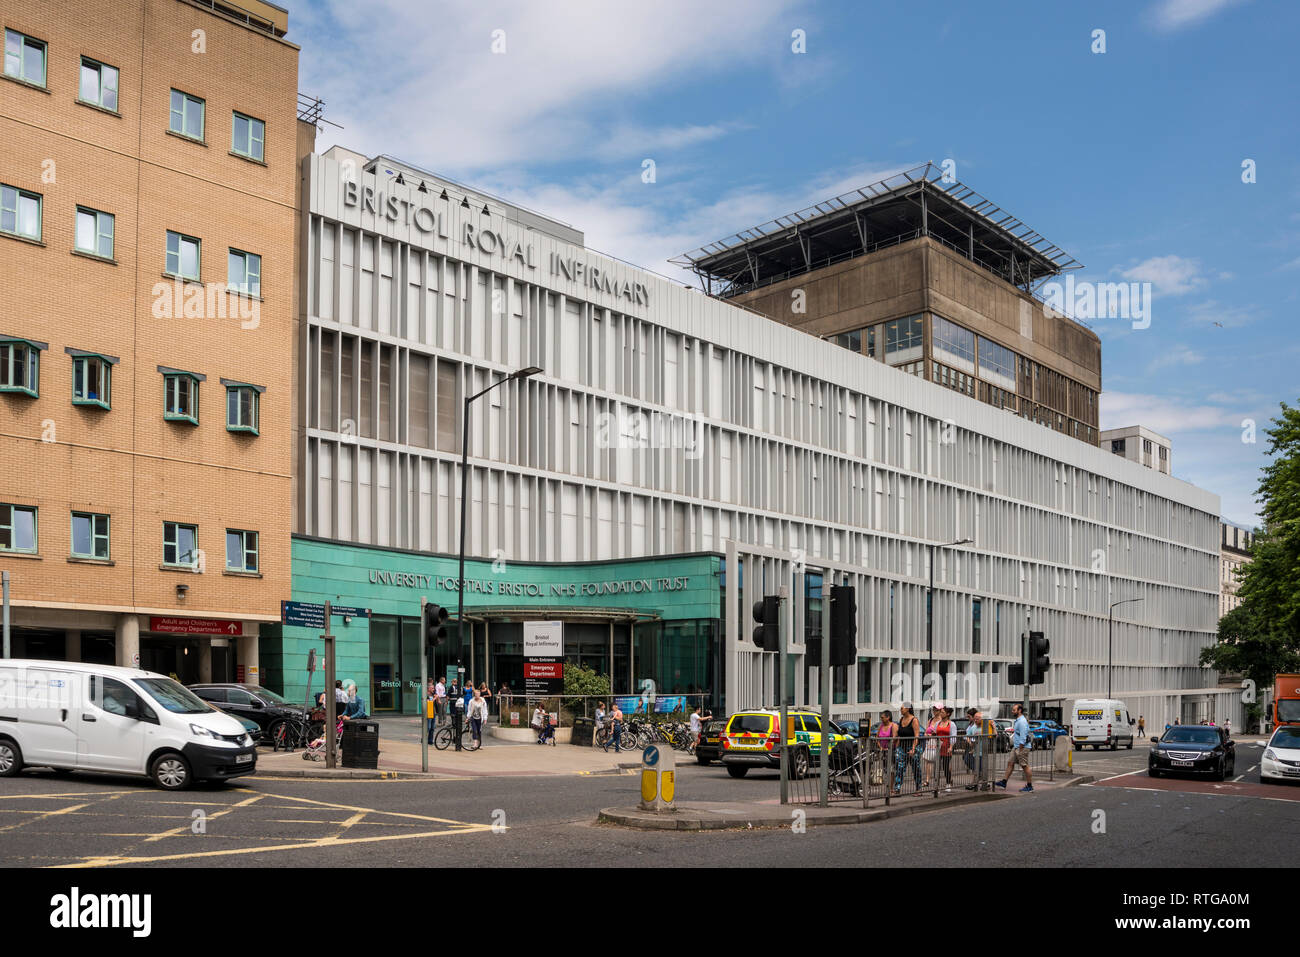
[79, 717]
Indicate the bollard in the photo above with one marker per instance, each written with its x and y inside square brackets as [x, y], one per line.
[658, 778]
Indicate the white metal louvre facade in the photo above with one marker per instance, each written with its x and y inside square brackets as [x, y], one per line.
[668, 422]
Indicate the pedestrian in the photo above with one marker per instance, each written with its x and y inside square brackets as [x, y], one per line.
[600, 720]
[431, 708]
[909, 747]
[478, 713]
[457, 715]
[930, 750]
[340, 696]
[697, 724]
[946, 732]
[973, 756]
[440, 704]
[503, 699]
[1227, 728]
[1019, 750]
[615, 728]
[486, 692]
[538, 722]
[1142, 726]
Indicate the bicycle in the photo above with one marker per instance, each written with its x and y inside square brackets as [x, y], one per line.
[290, 734]
[445, 738]
[627, 741]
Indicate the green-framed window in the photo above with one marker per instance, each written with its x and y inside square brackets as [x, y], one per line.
[242, 402]
[98, 84]
[184, 255]
[187, 115]
[20, 212]
[94, 232]
[180, 545]
[182, 397]
[92, 380]
[244, 273]
[90, 535]
[17, 528]
[241, 550]
[24, 58]
[20, 366]
[247, 136]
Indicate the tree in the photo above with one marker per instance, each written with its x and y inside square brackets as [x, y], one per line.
[1261, 636]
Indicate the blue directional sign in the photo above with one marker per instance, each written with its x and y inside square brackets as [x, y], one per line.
[303, 613]
[651, 756]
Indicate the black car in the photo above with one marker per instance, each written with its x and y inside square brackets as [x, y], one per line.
[849, 726]
[1193, 749]
[257, 704]
[709, 747]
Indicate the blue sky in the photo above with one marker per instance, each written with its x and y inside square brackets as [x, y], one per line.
[1130, 160]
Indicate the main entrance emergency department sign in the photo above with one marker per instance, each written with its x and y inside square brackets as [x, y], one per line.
[543, 657]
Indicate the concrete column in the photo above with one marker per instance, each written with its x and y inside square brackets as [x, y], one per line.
[205, 661]
[127, 641]
[72, 644]
[248, 657]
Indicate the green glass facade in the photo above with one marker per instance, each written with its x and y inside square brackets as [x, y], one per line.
[653, 618]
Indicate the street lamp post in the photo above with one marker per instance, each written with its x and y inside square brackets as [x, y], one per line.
[929, 607]
[464, 493]
[1110, 642]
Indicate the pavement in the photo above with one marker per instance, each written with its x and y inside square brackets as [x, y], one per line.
[400, 758]
[747, 815]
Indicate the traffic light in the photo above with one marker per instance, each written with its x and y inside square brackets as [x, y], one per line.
[844, 625]
[435, 625]
[767, 613]
[1038, 660]
[1015, 674]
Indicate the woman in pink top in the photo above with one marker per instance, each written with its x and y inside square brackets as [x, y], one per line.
[886, 730]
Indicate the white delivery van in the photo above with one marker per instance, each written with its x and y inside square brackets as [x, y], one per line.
[1101, 722]
[76, 717]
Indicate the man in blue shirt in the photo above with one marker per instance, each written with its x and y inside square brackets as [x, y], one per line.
[1020, 740]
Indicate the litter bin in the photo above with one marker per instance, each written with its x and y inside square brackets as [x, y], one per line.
[361, 744]
[584, 730]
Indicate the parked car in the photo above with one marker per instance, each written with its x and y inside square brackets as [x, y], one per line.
[263, 707]
[252, 727]
[1005, 728]
[848, 726]
[1193, 749]
[1281, 761]
[752, 739]
[709, 746]
[83, 717]
[1046, 732]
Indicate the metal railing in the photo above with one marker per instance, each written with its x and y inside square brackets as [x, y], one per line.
[884, 770]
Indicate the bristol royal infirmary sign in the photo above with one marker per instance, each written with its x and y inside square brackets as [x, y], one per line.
[492, 242]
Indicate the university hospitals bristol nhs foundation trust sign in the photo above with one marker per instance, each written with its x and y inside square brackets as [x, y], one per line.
[389, 582]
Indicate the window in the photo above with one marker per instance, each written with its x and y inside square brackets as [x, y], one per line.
[871, 341]
[20, 365]
[244, 275]
[20, 212]
[180, 545]
[94, 232]
[977, 608]
[116, 697]
[91, 376]
[182, 256]
[997, 363]
[864, 680]
[181, 391]
[1146, 446]
[241, 550]
[98, 84]
[954, 343]
[1117, 446]
[17, 528]
[903, 338]
[248, 136]
[89, 535]
[187, 115]
[241, 406]
[850, 340]
[24, 58]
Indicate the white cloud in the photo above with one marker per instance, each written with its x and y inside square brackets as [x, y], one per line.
[1171, 275]
[1177, 356]
[1171, 15]
[568, 81]
[1166, 415]
[1213, 312]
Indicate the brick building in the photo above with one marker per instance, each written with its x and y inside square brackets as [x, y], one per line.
[148, 156]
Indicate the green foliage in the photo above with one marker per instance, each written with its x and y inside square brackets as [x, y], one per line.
[1261, 637]
[581, 680]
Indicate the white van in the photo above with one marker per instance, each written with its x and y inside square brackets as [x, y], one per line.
[1101, 722]
[76, 717]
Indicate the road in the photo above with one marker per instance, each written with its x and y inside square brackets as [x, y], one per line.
[83, 820]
